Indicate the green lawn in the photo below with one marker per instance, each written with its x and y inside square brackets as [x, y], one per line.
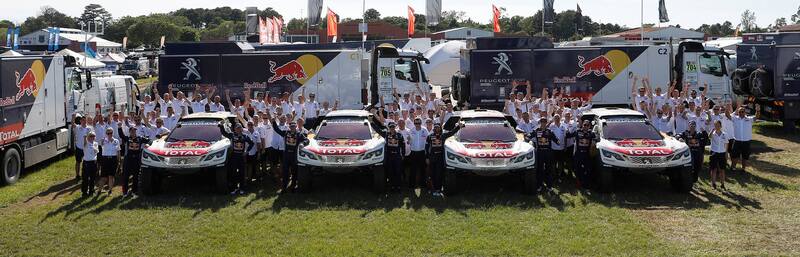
[44, 215]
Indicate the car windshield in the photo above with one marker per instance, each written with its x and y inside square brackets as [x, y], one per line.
[344, 129]
[477, 132]
[618, 130]
[192, 132]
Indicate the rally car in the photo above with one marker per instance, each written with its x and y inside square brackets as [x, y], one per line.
[487, 145]
[628, 142]
[197, 144]
[344, 141]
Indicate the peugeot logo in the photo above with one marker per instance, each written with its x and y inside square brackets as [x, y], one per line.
[502, 61]
[190, 65]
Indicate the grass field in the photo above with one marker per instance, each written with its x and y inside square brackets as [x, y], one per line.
[43, 215]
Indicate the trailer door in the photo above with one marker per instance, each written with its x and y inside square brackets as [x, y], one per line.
[386, 76]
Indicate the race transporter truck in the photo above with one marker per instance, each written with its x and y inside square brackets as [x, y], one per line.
[198, 144]
[487, 145]
[628, 142]
[345, 141]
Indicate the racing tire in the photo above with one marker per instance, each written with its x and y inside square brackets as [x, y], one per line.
[605, 179]
[304, 179]
[741, 80]
[221, 181]
[147, 182]
[761, 83]
[681, 179]
[379, 179]
[451, 182]
[529, 182]
[12, 166]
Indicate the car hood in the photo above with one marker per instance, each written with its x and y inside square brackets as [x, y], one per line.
[343, 146]
[643, 147]
[186, 147]
[487, 149]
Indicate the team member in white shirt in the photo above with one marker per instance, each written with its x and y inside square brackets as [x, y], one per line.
[559, 129]
[742, 134]
[216, 105]
[526, 125]
[719, 142]
[199, 103]
[418, 137]
[110, 147]
[80, 136]
[90, 150]
[310, 111]
[157, 131]
[252, 155]
[171, 119]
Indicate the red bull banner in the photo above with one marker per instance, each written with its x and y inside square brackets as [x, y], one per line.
[21, 80]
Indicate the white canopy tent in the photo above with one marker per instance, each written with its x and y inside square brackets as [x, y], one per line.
[10, 53]
[444, 62]
[82, 60]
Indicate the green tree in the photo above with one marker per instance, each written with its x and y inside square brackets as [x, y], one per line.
[796, 16]
[95, 12]
[189, 34]
[296, 24]
[148, 31]
[748, 21]
[222, 31]
[47, 17]
[118, 29]
[372, 15]
[269, 12]
[779, 22]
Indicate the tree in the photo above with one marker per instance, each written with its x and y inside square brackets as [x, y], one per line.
[222, 31]
[372, 15]
[296, 24]
[95, 12]
[117, 30]
[779, 22]
[189, 34]
[148, 30]
[748, 22]
[796, 17]
[47, 17]
[269, 12]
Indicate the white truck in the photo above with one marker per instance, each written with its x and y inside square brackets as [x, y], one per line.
[37, 93]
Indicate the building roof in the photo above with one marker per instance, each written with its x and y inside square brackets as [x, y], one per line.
[661, 32]
[793, 27]
[82, 60]
[456, 29]
[77, 35]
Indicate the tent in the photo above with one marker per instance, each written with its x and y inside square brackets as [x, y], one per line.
[444, 62]
[82, 60]
[10, 53]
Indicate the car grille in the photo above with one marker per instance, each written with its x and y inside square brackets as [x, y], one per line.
[645, 160]
[489, 163]
[340, 159]
[184, 160]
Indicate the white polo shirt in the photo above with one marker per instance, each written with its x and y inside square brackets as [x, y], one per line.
[418, 138]
[718, 142]
[256, 138]
[310, 109]
[110, 147]
[199, 106]
[80, 135]
[560, 133]
[90, 151]
[526, 127]
[216, 107]
[743, 128]
[148, 107]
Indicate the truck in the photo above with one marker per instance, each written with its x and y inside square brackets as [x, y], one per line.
[768, 74]
[135, 67]
[37, 96]
[354, 77]
[602, 73]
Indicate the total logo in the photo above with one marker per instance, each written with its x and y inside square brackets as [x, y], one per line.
[645, 151]
[338, 151]
[500, 154]
[28, 83]
[184, 152]
[608, 65]
[300, 70]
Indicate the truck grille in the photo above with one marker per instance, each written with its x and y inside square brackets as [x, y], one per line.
[645, 160]
[489, 163]
[184, 160]
[340, 159]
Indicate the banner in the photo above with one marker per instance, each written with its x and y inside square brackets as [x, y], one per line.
[163, 38]
[579, 19]
[549, 12]
[314, 11]
[433, 12]
[496, 20]
[9, 36]
[412, 20]
[333, 24]
[124, 42]
[87, 49]
[662, 11]
[277, 28]
[57, 41]
[16, 39]
[263, 33]
[50, 39]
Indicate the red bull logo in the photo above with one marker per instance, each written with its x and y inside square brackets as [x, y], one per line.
[599, 66]
[26, 84]
[290, 71]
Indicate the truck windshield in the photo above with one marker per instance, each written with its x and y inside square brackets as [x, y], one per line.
[711, 64]
[207, 133]
[616, 130]
[344, 130]
[478, 132]
[407, 69]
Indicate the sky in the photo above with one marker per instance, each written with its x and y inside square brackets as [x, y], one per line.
[687, 13]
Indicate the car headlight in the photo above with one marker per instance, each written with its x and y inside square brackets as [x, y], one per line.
[215, 155]
[307, 154]
[152, 157]
[376, 153]
[459, 158]
[609, 154]
[681, 155]
[524, 157]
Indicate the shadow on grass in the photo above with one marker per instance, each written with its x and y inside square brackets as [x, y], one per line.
[775, 130]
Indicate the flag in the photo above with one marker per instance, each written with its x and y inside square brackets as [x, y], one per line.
[163, 38]
[57, 41]
[433, 12]
[50, 39]
[314, 11]
[333, 29]
[124, 42]
[579, 19]
[549, 13]
[411, 21]
[662, 11]
[9, 36]
[87, 49]
[16, 39]
[496, 14]
[736, 32]
[263, 33]
[277, 28]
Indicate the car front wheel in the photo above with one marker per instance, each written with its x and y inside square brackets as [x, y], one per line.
[379, 179]
[221, 180]
[681, 179]
[529, 182]
[451, 182]
[605, 177]
[303, 179]
[147, 182]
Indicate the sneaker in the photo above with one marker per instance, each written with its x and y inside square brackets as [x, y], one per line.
[241, 192]
[234, 192]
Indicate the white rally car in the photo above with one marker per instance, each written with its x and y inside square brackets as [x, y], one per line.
[344, 141]
[628, 142]
[197, 144]
[487, 145]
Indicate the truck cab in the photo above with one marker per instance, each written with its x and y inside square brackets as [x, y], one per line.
[396, 70]
[92, 92]
[700, 65]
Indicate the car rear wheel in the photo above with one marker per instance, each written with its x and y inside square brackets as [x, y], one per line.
[221, 180]
[12, 165]
[529, 182]
[147, 182]
[303, 179]
[451, 182]
[379, 179]
[605, 177]
[681, 179]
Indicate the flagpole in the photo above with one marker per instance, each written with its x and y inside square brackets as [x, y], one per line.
[641, 24]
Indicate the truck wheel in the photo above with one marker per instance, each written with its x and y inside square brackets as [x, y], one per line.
[379, 179]
[529, 182]
[147, 182]
[221, 180]
[682, 179]
[451, 182]
[761, 83]
[303, 179]
[605, 177]
[12, 165]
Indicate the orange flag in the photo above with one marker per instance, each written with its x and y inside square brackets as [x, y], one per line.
[333, 29]
[496, 13]
[411, 21]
